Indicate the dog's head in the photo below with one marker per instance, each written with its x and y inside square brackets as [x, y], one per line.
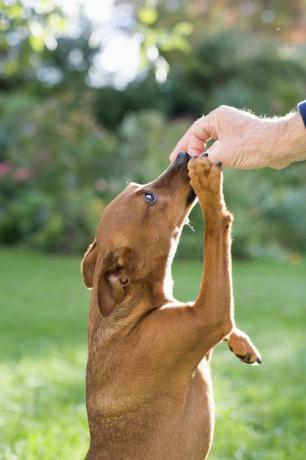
[137, 236]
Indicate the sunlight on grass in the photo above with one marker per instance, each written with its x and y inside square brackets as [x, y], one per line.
[42, 407]
[259, 410]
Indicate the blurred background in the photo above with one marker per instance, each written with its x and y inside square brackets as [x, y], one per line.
[96, 93]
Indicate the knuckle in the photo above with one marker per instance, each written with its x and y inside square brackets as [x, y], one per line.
[199, 120]
[223, 109]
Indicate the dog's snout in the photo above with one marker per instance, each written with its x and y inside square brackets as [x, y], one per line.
[183, 157]
[176, 174]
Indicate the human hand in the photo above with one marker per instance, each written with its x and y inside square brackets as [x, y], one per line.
[245, 141]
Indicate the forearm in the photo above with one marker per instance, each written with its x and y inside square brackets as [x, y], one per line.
[288, 142]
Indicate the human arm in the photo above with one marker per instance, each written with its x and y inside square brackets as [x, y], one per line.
[245, 141]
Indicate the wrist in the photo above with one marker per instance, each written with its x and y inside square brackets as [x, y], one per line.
[290, 141]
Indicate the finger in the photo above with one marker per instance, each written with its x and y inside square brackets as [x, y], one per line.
[195, 147]
[214, 153]
[181, 146]
[218, 153]
[195, 138]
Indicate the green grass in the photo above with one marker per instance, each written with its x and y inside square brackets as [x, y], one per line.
[260, 411]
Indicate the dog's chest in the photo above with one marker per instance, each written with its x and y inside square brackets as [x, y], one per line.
[132, 414]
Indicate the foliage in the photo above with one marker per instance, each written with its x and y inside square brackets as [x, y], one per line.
[259, 410]
[25, 33]
[67, 149]
[37, 51]
[59, 169]
[50, 151]
[228, 67]
[239, 69]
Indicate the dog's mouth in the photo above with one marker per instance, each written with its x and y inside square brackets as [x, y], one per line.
[182, 161]
[176, 176]
[191, 197]
[180, 166]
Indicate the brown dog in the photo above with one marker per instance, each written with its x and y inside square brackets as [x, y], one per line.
[149, 392]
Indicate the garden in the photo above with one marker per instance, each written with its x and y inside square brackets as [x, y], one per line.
[92, 97]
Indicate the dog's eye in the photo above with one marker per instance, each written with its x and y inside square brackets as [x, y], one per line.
[150, 197]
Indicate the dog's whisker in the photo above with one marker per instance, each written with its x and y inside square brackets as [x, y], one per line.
[189, 224]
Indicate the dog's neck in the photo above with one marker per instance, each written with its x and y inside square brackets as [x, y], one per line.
[160, 287]
[162, 282]
[147, 295]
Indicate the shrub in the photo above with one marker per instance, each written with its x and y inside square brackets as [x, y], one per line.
[54, 154]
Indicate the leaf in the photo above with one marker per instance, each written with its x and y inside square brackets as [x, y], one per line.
[37, 43]
[168, 42]
[183, 28]
[15, 12]
[57, 23]
[147, 15]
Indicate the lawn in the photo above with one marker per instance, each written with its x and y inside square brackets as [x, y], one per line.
[260, 411]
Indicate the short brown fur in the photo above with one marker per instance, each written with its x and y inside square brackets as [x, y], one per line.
[148, 385]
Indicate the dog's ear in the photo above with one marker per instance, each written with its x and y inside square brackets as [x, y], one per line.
[88, 264]
[113, 279]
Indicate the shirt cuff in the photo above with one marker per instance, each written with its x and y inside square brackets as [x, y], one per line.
[302, 109]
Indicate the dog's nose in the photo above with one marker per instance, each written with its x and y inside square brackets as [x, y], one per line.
[183, 157]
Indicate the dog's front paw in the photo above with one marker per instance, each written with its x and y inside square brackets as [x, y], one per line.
[205, 178]
[241, 345]
[207, 182]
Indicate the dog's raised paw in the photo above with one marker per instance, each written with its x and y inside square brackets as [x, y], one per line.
[248, 358]
[242, 347]
[206, 181]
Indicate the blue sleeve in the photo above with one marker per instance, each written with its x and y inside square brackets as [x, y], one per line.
[302, 109]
